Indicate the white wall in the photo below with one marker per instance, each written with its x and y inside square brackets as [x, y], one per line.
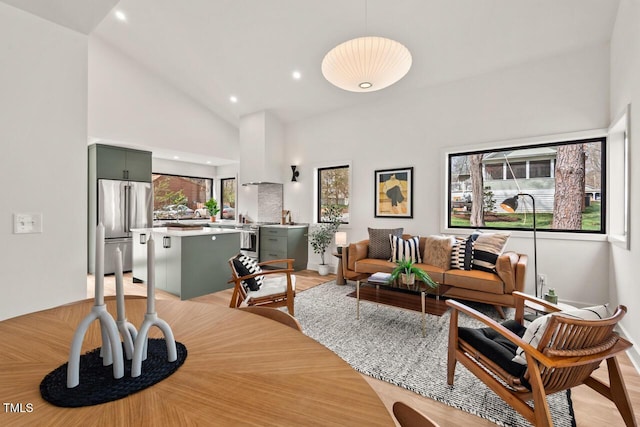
[43, 82]
[172, 167]
[625, 89]
[127, 103]
[560, 94]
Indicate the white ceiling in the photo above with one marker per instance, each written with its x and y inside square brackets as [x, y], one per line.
[212, 49]
[79, 15]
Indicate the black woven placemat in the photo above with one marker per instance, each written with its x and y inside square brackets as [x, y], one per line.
[97, 384]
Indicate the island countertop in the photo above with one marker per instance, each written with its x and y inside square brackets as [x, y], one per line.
[167, 231]
[285, 225]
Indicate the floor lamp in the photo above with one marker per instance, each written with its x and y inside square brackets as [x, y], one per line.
[510, 205]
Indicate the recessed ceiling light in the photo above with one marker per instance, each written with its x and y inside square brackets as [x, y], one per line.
[233, 99]
[296, 75]
[176, 157]
[120, 15]
[208, 162]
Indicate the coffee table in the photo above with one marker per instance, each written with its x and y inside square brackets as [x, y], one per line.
[418, 297]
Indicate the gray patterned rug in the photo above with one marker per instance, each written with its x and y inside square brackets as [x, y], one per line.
[386, 343]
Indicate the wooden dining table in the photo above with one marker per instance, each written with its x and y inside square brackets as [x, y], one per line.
[241, 369]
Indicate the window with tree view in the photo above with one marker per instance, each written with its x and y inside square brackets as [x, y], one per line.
[180, 197]
[228, 198]
[566, 179]
[333, 189]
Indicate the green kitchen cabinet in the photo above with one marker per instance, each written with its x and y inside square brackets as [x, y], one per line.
[120, 163]
[282, 241]
[187, 264]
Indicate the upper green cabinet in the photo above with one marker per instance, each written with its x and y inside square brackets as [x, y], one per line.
[121, 163]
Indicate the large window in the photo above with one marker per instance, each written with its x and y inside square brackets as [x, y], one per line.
[180, 197]
[228, 198]
[333, 189]
[566, 179]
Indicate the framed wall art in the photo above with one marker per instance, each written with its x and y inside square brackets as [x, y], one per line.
[394, 193]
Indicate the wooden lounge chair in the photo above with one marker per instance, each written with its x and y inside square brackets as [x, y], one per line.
[569, 350]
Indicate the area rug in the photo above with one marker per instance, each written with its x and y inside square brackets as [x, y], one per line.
[387, 344]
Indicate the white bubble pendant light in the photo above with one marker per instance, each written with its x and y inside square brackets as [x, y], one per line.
[366, 64]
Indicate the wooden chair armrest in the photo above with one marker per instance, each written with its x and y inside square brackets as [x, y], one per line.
[289, 262]
[548, 306]
[262, 273]
[521, 299]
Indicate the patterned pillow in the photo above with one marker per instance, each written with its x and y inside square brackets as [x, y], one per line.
[405, 249]
[486, 250]
[537, 328]
[462, 252]
[437, 251]
[379, 246]
[245, 266]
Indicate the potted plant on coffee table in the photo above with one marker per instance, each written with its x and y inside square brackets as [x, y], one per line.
[407, 271]
[212, 207]
[322, 234]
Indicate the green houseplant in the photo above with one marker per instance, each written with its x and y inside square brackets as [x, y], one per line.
[408, 272]
[212, 207]
[322, 234]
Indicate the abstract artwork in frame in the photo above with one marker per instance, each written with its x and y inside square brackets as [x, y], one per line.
[394, 193]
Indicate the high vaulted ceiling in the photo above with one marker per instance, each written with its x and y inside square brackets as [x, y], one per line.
[212, 49]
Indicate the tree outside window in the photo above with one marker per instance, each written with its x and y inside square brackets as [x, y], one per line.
[228, 198]
[565, 178]
[333, 190]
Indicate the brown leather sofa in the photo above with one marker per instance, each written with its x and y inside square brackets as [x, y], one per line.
[472, 285]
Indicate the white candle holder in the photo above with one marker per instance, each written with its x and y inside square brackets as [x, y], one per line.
[151, 319]
[111, 350]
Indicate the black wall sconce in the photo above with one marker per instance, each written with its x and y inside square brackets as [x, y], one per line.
[294, 173]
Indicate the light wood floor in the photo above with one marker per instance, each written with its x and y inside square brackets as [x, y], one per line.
[590, 408]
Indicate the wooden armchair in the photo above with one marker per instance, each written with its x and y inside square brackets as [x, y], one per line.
[569, 351]
[278, 289]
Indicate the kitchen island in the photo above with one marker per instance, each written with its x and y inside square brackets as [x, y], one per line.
[189, 262]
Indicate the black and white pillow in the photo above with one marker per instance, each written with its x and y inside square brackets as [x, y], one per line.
[486, 250]
[405, 249]
[245, 266]
[462, 252]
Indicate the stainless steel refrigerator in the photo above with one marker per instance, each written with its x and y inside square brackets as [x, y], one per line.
[122, 205]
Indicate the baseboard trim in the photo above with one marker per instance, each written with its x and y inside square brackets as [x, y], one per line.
[633, 352]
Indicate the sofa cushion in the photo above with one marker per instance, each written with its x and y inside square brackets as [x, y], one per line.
[372, 265]
[462, 252]
[405, 249]
[538, 327]
[475, 280]
[494, 346]
[486, 250]
[437, 251]
[379, 244]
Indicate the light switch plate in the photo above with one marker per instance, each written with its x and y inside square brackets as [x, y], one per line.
[27, 223]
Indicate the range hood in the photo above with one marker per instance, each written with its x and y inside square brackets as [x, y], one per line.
[261, 149]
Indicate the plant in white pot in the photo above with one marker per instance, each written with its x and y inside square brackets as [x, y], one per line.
[322, 234]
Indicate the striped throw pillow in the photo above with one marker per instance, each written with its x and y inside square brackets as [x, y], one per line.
[245, 266]
[405, 249]
[486, 250]
[462, 252]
